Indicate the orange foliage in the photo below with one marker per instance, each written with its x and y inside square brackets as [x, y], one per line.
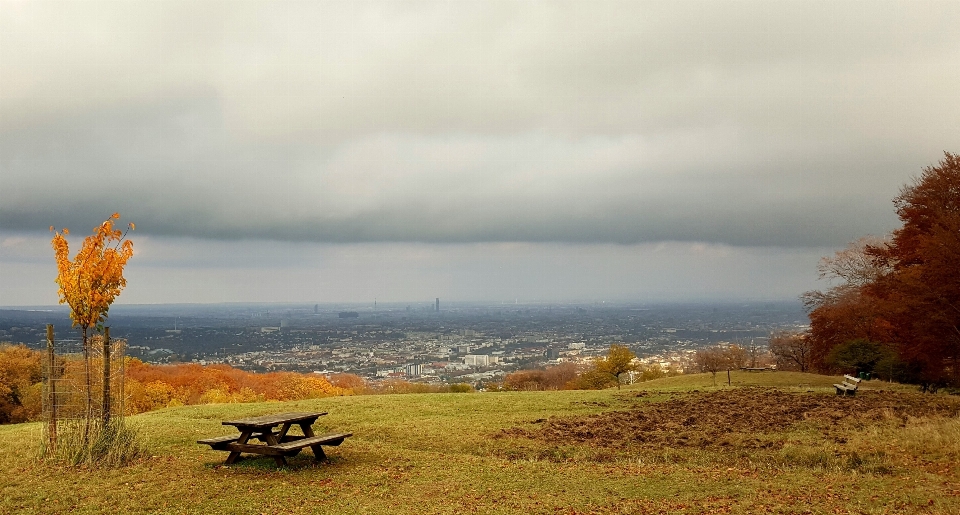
[350, 382]
[903, 292]
[19, 384]
[93, 279]
[158, 386]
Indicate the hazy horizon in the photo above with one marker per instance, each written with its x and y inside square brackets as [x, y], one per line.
[428, 304]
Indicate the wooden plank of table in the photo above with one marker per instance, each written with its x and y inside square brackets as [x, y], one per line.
[265, 421]
[216, 441]
[327, 439]
[254, 449]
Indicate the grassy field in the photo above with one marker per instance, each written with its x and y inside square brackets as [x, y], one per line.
[482, 453]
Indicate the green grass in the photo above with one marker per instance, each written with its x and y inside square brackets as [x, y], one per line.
[788, 381]
[435, 453]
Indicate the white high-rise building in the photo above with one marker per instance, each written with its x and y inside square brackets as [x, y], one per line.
[476, 360]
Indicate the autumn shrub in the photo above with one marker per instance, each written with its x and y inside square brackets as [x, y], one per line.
[592, 380]
[525, 380]
[460, 388]
[493, 386]
[20, 387]
[551, 378]
[152, 387]
[404, 386]
[349, 383]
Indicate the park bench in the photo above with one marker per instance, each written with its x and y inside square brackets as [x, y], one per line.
[848, 386]
[276, 444]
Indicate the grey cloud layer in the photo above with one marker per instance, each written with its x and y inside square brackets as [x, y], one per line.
[772, 123]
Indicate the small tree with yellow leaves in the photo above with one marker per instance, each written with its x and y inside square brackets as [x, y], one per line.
[618, 361]
[89, 284]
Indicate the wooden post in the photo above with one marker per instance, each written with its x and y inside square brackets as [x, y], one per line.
[106, 377]
[728, 377]
[51, 390]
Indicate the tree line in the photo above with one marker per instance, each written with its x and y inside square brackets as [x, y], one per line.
[893, 309]
[149, 387]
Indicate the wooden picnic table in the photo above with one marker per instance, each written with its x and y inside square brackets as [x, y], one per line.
[277, 444]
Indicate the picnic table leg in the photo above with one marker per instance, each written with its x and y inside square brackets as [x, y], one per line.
[244, 436]
[273, 439]
[280, 436]
[318, 454]
[283, 433]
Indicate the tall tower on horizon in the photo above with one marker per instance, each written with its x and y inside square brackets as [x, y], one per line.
[437, 306]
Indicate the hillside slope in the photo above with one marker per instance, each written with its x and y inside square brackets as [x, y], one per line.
[501, 453]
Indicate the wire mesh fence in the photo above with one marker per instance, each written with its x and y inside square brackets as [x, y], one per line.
[83, 387]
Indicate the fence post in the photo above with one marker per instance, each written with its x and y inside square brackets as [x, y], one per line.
[106, 377]
[51, 389]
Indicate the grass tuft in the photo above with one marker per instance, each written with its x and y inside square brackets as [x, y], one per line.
[97, 446]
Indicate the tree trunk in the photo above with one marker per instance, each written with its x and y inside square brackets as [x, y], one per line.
[106, 376]
[51, 390]
[88, 408]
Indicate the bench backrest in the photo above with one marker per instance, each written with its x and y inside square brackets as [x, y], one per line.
[855, 380]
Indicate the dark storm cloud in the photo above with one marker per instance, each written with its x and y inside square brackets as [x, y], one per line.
[753, 124]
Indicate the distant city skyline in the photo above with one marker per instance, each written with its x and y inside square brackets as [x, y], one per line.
[472, 151]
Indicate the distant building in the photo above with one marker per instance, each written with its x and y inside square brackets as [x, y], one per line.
[389, 372]
[476, 360]
[437, 306]
[349, 314]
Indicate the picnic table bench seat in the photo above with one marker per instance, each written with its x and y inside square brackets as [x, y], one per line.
[220, 440]
[848, 386]
[296, 443]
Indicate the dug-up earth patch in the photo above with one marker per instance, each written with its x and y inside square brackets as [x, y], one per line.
[741, 417]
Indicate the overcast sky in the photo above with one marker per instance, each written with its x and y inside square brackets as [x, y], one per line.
[476, 151]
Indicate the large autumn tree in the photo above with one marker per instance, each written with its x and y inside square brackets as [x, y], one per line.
[920, 297]
[904, 291]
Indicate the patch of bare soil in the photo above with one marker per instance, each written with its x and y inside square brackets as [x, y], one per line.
[738, 417]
